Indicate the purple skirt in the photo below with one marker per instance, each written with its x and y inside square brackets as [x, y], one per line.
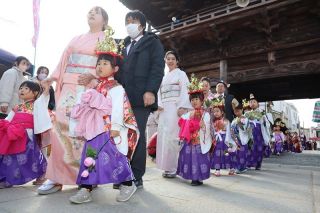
[18, 169]
[221, 160]
[267, 151]
[278, 148]
[257, 152]
[111, 166]
[192, 164]
[242, 157]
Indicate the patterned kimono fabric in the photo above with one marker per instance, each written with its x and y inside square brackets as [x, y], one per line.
[278, 145]
[192, 163]
[257, 150]
[242, 152]
[111, 166]
[221, 159]
[22, 167]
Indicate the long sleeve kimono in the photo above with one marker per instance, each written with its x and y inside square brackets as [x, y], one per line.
[173, 94]
[224, 152]
[21, 159]
[109, 108]
[194, 156]
[79, 57]
[260, 135]
[240, 134]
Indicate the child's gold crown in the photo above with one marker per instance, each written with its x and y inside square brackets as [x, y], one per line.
[109, 45]
[195, 85]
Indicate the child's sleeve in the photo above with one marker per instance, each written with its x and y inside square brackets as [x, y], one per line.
[205, 135]
[41, 117]
[117, 95]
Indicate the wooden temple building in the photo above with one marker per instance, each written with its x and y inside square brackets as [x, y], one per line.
[270, 47]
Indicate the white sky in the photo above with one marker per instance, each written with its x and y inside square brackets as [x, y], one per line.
[60, 21]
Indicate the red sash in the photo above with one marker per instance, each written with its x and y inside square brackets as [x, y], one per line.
[13, 135]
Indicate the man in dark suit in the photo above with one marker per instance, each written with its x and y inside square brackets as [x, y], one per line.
[229, 101]
[141, 76]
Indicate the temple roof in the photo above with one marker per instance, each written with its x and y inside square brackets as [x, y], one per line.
[160, 12]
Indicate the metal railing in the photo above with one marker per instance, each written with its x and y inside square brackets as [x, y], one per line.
[206, 15]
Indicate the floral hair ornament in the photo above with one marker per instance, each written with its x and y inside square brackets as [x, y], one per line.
[109, 46]
[252, 97]
[245, 104]
[218, 103]
[195, 85]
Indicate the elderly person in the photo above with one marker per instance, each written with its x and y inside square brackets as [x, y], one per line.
[229, 100]
[77, 64]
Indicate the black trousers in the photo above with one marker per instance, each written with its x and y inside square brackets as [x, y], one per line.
[138, 162]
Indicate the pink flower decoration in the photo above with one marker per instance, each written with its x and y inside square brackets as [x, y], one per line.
[85, 173]
[88, 162]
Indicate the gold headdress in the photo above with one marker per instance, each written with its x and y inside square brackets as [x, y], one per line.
[245, 104]
[217, 103]
[109, 46]
[195, 85]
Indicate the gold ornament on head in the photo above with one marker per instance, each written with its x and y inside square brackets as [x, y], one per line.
[109, 45]
[195, 85]
[245, 104]
[217, 102]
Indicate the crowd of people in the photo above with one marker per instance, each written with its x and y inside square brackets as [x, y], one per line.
[91, 129]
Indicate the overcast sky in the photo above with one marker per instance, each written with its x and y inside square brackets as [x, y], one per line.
[60, 21]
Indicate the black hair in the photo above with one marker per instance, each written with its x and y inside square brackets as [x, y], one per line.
[240, 106]
[33, 86]
[19, 59]
[41, 68]
[199, 95]
[114, 60]
[205, 79]
[137, 15]
[172, 52]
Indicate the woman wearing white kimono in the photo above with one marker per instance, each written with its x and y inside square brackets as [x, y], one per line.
[173, 101]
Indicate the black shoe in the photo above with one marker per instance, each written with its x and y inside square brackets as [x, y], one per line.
[116, 186]
[196, 183]
[139, 183]
[258, 168]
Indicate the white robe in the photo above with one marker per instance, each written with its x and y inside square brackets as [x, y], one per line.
[173, 94]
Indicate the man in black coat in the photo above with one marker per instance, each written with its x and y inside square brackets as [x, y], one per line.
[229, 101]
[141, 76]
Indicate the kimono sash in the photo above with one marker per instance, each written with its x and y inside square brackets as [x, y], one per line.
[13, 133]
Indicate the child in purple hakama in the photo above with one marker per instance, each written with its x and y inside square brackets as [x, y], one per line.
[106, 120]
[224, 153]
[260, 133]
[21, 159]
[194, 157]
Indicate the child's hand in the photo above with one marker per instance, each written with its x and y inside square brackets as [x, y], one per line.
[85, 79]
[114, 133]
[45, 85]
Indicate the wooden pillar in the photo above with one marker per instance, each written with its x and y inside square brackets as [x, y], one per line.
[223, 70]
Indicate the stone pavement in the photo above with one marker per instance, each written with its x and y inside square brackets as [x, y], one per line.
[278, 187]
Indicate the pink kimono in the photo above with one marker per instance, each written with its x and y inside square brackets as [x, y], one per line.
[79, 57]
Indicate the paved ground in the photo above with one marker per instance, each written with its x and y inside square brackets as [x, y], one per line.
[285, 184]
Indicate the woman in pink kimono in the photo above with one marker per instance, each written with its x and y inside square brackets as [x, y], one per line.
[78, 59]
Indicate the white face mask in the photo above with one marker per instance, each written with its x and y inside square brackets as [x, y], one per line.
[42, 76]
[133, 30]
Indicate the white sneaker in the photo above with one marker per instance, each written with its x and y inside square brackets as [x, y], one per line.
[49, 187]
[126, 192]
[82, 196]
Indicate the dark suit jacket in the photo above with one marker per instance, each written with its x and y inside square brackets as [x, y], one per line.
[143, 69]
[228, 107]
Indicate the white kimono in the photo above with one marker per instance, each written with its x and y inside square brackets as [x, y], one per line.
[172, 95]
